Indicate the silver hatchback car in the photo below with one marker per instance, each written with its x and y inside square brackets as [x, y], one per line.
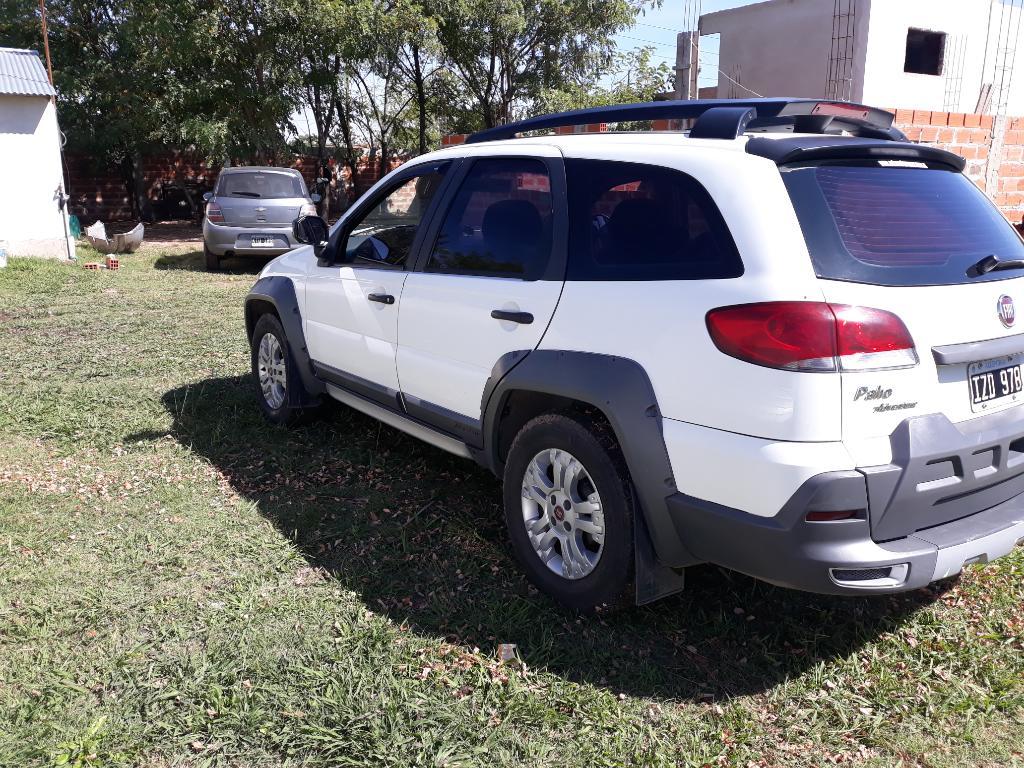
[251, 210]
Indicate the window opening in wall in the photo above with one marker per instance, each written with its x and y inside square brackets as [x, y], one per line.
[925, 52]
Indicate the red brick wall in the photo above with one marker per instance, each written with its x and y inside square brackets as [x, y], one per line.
[101, 191]
[976, 139]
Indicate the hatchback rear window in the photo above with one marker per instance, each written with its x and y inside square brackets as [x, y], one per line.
[897, 225]
[261, 185]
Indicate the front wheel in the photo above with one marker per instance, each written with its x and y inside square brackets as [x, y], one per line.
[568, 508]
[273, 370]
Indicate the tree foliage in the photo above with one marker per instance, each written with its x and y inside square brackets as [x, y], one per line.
[230, 77]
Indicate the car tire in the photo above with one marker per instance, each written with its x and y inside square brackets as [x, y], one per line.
[565, 480]
[212, 259]
[273, 370]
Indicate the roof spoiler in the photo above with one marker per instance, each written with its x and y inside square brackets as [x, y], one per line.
[814, 149]
[722, 118]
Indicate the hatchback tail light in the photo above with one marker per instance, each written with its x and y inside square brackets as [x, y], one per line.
[812, 336]
[214, 214]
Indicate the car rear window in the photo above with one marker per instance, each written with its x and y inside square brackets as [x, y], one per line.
[898, 224]
[261, 185]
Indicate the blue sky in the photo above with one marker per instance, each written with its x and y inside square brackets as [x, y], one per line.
[657, 27]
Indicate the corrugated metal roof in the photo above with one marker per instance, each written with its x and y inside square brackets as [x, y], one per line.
[22, 73]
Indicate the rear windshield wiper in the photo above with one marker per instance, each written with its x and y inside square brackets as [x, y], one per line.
[246, 194]
[993, 263]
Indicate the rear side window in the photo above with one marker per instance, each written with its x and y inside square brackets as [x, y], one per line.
[895, 225]
[261, 185]
[630, 221]
[499, 223]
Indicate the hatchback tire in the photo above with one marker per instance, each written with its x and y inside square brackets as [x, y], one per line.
[273, 370]
[212, 259]
[569, 510]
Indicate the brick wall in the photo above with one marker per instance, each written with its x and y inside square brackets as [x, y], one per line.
[994, 151]
[100, 191]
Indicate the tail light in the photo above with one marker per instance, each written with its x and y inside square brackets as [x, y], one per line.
[812, 336]
[307, 209]
[214, 214]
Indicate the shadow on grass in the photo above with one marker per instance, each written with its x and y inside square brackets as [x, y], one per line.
[194, 261]
[418, 534]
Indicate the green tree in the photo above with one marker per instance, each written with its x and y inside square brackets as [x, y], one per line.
[632, 77]
[507, 53]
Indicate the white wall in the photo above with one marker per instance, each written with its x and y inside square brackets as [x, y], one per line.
[972, 29]
[31, 222]
[780, 47]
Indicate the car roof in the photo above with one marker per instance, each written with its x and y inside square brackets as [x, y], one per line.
[776, 146]
[259, 168]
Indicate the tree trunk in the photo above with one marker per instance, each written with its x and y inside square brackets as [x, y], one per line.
[382, 169]
[421, 97]
[142, 209]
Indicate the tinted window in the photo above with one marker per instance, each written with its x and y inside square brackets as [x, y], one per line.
[499, 222]
[265, 185]
[895, 225]
[629, 221]
[384, 235]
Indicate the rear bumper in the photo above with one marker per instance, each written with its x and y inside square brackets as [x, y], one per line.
[841, 557]
[952, 495]
[222, 239]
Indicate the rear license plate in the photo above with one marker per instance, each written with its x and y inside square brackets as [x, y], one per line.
[996, 382]
[262, 242]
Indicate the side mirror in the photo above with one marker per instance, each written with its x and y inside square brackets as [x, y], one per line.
[316, 198]
[207, 196]
[311, 230]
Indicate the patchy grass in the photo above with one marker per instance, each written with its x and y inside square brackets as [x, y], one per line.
[182, 584]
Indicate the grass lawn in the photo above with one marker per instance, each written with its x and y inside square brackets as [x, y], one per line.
[182, 584]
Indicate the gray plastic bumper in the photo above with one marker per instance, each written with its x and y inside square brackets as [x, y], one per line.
[841, 557]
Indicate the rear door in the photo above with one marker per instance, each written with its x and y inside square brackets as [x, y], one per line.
[488, 285]
[264, 197]
[908, 238]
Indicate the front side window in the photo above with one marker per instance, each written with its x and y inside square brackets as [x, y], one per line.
[383, 236]
[264, 185]
[631, 221]
[499, 223]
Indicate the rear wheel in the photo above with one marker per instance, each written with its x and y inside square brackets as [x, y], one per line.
[273, 370]
[568, 508]
[212, 259]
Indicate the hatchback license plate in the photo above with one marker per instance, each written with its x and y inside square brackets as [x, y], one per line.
[262, 242]
[995, 382]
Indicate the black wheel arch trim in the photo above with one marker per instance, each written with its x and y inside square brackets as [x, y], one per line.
[621, 390]
[279, 292]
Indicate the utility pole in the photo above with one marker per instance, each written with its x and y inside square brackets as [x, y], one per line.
[46, 40]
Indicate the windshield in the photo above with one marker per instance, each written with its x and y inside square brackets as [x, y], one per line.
[261, 184]
[897, 225]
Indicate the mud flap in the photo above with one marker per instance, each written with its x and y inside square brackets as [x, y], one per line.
[653, 579]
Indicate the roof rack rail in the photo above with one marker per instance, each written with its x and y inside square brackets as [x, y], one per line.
[722, 118]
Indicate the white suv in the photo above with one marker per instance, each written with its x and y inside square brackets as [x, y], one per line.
[781, 342]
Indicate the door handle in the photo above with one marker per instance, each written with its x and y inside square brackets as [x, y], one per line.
[382, 298]
[523, 318]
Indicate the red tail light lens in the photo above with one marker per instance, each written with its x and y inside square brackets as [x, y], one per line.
[872, 338]
[214, 215]
[812, 336]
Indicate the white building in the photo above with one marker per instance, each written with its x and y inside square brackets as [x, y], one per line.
[33, 221]
[942, 55]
